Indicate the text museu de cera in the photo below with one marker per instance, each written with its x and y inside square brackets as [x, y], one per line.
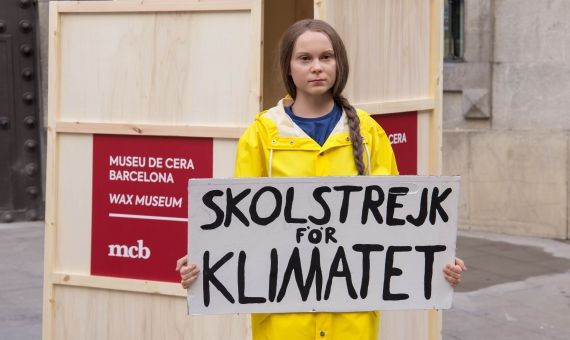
[321, 244]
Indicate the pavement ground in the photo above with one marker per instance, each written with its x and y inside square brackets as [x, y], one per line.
[515, 287]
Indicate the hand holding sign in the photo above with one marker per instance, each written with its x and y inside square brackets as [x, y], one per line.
[452, 272]
[188, 272]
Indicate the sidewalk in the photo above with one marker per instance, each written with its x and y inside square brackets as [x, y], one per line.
[515, 288]
[21, 280]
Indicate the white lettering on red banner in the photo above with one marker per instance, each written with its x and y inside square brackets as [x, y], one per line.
[397, 138]
[133, 252]
[140, 203]
[402, 131]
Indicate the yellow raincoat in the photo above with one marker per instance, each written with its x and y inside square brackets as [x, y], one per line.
[275, 146]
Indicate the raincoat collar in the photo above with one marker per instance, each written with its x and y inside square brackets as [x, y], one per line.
[286, 135]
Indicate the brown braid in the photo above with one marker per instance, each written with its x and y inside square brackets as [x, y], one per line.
[355, 136]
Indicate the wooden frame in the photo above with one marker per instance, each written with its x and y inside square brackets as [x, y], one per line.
[231, 132]
[102, 282]
[96, 7]
[56, 281]
[423, 96]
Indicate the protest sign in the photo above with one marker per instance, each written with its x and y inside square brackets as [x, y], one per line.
[321, 244]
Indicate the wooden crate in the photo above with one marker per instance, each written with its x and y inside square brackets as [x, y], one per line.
[142, 68]
[137, 68]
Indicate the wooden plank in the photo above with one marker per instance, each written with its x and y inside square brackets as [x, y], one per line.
[160, 68]
[320, 9]
[74, 189]
[224, 157]
[423, 142]
[152, 6]
[434, 324]
[407, 105]
[404, 325]
[387, 44]
[121, 284]
[88, 313]
[54, 63]
[256, 81]
[231, 132]
[436, 85]
[51, 174]
[435, 124]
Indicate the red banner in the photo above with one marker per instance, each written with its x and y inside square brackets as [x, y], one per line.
[402, 131]
[140, 208]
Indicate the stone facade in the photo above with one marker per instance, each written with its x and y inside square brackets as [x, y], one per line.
[507, 117]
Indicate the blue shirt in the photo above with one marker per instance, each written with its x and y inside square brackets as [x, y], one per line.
[319, 128]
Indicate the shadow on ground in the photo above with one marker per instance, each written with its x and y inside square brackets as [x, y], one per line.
[494, 262]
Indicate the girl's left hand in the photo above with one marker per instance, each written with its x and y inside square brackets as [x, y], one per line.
[452, 272]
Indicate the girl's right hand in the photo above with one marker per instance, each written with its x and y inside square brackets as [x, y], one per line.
[188, 272]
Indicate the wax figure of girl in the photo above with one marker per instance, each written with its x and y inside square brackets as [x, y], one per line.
[314, 132]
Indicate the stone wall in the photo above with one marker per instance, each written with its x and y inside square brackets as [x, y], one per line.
[514, 158]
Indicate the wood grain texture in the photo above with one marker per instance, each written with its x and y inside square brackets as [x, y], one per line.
[435, 123]
[159, 68]
[233, 132]
[224, 157]
[119, 284]
[90, 313]
[436, 85]
[388, 47]
[395, 106]
[403, 325]
[74, 184]
[141, 6]
[423, 142]
[50, 246]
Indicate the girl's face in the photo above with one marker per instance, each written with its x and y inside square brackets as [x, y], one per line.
[313, 64]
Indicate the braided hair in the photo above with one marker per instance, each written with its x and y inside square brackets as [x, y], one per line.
[285, 54]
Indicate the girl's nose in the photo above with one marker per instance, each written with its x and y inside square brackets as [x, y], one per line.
[316, 67]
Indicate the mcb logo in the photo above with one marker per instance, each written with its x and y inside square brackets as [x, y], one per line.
[138, 251]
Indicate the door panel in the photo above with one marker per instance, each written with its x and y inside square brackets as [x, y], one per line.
[20, 194]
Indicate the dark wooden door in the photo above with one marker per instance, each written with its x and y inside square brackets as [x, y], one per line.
[20, 194]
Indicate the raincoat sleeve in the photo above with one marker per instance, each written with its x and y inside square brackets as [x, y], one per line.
[382, 158]
[250, 158]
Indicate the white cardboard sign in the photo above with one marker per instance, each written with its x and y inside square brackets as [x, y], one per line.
[271, 245]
